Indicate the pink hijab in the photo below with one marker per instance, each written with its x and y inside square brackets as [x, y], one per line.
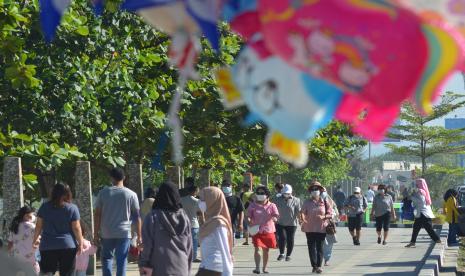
[423, 187]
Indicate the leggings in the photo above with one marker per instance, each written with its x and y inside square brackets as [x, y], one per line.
[285, 238]
[315, 248]
[423, 222]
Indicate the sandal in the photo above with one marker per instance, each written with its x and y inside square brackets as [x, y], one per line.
[265, 271]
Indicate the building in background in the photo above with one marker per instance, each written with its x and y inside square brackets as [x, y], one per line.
[456, 123]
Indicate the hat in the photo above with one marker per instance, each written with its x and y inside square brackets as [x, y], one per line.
[287, 189]
[357, 190]
[316, 184]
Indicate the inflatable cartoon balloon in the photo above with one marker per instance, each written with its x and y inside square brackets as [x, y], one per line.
[450, 11]
[170, 16]
[368, 121]
[292, 104]
[373, 49]
[446, 49]
[51, 12]
[242, 15]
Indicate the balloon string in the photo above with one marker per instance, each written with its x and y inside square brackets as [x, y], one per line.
[174, 121]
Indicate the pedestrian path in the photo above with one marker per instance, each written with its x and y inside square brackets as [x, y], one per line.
[368, 259]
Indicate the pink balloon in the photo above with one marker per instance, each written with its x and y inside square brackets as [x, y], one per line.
[371, 49]
[369, 121]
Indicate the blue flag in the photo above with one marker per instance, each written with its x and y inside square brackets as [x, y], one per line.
[134, 5]
[51, 12]
[157, 163]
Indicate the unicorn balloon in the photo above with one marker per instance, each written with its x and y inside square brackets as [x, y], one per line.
[292, 104]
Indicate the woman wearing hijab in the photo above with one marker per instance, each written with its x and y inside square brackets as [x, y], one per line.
[314, 217]
[166, 236]
[264, 214]
[216, 237]
[421, 200]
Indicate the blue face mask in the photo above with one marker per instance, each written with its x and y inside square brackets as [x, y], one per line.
[227, 190]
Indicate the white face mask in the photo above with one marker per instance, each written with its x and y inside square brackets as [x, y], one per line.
[227, 190]
[202, 206]
[287, 196]
[324, 195]
[315, 193]
[381, 191]
[261, 197]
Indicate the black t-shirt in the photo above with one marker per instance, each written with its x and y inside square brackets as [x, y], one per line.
[235, 207]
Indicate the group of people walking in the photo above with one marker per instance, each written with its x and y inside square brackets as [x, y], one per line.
[176, 223]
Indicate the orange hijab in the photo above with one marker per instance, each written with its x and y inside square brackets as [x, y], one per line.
[217, 213]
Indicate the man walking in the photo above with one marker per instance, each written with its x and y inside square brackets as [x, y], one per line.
[116, 207]
[235, 206]
[370, 195]
[190, 204]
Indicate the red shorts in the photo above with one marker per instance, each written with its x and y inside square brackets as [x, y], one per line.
[264, 240]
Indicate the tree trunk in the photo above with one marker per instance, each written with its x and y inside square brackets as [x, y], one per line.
[46, 182]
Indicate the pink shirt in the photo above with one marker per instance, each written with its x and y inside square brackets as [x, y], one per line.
[263, 215]
[82, 260]
[311, 211]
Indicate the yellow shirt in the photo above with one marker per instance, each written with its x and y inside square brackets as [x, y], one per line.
[450, 210]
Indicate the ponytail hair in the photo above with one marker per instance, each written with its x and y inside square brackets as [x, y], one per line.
[14, 227]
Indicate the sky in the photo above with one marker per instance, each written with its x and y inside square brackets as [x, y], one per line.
[455, 84]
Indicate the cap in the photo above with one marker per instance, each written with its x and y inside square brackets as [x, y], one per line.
[287, 189]
[357, 190]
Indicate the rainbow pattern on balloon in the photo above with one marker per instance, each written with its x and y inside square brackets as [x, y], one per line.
[444, 58]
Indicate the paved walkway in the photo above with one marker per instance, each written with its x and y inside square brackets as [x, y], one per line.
[367, 259]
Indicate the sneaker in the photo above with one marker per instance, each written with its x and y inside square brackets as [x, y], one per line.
[256, 271]
[314, 270]
[439, 242]
[319, 270]
[288, 258]
[410, 245]
[280, 257]
[357, 241]
[197, 260]
[354, 239]
[326, 263]
[245, 243]
[379, 240]
[384, 242]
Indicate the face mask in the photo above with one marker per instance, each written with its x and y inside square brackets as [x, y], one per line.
[287, 196]
[324, 195]
[315, 193]
[202, 206]
[227, 190]
[261, 197]
[33, 218]
[381, 191]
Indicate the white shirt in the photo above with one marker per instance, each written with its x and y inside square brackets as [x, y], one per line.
[215, 252]
[419, 202]
[370, 195]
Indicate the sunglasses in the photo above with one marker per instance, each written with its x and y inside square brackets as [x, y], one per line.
[260, 193]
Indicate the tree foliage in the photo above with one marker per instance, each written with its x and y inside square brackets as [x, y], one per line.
[428, 140]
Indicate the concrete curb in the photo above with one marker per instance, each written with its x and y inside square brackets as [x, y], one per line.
[392, 225]
[435, 260]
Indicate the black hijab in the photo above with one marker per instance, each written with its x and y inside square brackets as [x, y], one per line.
[167, 198]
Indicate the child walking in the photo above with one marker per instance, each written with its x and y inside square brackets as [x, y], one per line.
[82, 260]
[21, 237]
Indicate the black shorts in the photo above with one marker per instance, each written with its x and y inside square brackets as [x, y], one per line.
[383, 222]
[59, 259]
[355, 223]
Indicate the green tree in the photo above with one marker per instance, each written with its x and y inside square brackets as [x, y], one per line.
[428, 140]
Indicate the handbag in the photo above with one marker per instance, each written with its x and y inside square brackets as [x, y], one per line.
[331, 227]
